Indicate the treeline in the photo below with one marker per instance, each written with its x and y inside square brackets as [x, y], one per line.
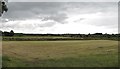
[96, 36]
[5, 33]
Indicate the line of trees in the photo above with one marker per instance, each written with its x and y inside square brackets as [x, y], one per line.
[5, 33]
[11, 33]
[82, 36]
[95, 36]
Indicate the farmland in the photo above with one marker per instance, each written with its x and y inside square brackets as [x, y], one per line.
[74, 53]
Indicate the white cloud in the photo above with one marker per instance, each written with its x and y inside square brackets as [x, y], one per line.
[78, 28]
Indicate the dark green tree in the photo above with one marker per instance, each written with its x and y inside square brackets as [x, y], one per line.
[11, 33]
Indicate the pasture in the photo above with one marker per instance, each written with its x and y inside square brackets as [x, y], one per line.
[74, 53]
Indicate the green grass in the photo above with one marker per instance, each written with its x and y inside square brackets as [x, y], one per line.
[81, 61]
[88, 53]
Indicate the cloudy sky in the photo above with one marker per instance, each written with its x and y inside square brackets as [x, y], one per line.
[61, 17]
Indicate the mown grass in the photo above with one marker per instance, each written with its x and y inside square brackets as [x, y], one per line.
[81, 61]
[89, 53]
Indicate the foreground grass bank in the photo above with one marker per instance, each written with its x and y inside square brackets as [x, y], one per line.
[88, 53]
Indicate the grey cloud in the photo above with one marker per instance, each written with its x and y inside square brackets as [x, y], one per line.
[48, 24]
[109, 13]
[57, 17]
[81, 19]
[91, 7]
[21, 11]
[55, 10]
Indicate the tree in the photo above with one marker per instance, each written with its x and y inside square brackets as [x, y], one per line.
[3, 7]
[5, 33]
[0, 33]
[11, 33]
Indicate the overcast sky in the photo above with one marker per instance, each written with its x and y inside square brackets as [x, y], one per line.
[63, 0]
[61, 17]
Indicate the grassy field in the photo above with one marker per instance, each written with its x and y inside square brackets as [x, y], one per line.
[78, 53]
